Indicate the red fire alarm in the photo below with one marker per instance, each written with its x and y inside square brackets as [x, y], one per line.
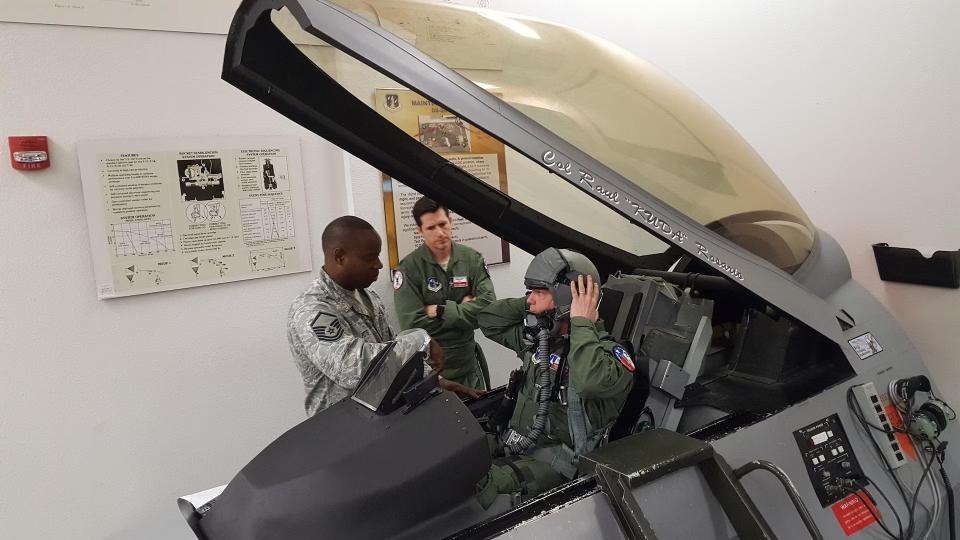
[29, 153]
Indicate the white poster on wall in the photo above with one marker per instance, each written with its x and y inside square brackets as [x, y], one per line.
[180, 212]
[204, 16]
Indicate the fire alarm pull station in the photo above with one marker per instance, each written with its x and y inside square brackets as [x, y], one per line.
[29, 153]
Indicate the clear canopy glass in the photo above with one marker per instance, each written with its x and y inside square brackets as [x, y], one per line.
[615, 107]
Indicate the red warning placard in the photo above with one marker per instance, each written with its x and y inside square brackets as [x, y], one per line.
[853, 515]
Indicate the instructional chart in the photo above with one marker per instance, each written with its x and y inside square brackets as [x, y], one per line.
[172, 213]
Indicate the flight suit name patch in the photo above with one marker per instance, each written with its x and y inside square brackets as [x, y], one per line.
[459, 281]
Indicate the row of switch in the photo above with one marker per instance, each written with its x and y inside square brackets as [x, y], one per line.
[820, 459]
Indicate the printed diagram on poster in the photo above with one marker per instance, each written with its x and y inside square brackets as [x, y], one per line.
[207, 16]
[172, 213]
[464, 146]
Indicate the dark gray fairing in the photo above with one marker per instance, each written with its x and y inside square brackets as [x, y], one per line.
[349, 473]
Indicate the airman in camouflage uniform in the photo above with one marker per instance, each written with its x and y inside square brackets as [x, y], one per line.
[337, 327]
[334, 334]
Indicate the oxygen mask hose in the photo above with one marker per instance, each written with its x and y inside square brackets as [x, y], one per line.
[521, 443]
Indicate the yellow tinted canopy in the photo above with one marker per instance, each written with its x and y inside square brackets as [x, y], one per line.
[615, 107]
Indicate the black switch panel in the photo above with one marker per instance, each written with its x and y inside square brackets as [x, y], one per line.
[827, 455]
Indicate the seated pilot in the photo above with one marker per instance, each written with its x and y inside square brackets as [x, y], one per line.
[572, 383]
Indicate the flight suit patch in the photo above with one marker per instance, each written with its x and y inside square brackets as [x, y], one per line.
[397, 280]
[554, 362]
[624, 357]
[459, 281]
[433, 284]
[327, 327]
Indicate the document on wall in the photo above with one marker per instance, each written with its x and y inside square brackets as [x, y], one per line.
[463, 145]
[172, 213]
[482, 166]
[205, 16]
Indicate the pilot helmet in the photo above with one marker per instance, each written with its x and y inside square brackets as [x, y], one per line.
[553, 269]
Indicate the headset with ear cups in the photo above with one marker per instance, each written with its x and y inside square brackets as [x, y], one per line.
[929, 419]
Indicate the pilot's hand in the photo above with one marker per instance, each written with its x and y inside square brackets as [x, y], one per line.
[431, 311]
[461, 390]
[468, 298]
[586, 298]
[437, 360]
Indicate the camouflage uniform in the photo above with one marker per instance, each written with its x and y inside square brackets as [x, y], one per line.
[334, 337]
[420, 281]
[597, 377]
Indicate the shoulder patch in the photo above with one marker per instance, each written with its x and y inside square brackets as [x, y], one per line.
[397, 280]
[327, 327]
[624, 357]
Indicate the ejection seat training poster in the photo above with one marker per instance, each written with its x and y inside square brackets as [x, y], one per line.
[171, 213]
[465, 146]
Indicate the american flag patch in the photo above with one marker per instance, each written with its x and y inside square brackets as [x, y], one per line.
[554, 362]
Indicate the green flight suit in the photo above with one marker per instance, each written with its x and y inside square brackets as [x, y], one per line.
[598, 376]
[419, 281]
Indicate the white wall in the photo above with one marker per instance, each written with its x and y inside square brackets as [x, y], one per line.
[854, 104]
[110, 410]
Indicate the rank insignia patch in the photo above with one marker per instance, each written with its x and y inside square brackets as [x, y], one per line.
[433, 284]
[397, 279]
[624, 357]
[327, 327]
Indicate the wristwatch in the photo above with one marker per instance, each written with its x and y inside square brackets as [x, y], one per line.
[440, 309]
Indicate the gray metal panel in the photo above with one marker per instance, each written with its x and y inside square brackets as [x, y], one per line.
[670, 378]
[587, 518]
[772, 439]
[826, 268]
[406, 64]
[684, 493]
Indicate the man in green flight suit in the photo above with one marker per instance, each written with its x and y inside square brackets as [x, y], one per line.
[572, 383]
[441, 287]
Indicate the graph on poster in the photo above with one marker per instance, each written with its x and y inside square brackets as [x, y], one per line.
[142, 238]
